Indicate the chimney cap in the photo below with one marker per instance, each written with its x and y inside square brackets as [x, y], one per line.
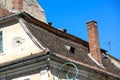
[92, 21]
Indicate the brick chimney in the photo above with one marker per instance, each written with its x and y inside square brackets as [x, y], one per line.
[94, 45]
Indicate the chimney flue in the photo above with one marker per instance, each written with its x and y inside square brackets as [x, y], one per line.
[94, 45]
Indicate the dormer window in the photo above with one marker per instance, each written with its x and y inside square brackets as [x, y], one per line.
[1, 42]
[70, 48]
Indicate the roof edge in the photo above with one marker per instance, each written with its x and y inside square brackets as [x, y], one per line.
[46, 26]
[86, 65]
[58, 32]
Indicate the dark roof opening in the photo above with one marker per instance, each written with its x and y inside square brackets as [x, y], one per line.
[72, 49]
[50, 23]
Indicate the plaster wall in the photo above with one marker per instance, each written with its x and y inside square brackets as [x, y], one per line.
[16, 44]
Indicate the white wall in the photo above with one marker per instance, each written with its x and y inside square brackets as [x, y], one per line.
[13, 50]
[30, 77]
[43, 75]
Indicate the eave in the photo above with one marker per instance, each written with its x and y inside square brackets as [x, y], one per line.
[51, 56]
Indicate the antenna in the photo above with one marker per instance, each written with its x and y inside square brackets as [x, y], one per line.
[109, 45]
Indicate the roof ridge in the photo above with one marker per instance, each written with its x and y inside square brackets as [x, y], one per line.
[56, 31]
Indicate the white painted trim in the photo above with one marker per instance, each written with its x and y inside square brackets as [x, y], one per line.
[14, 11]
[115, 62]
[44, 75]
[100, 65]
[23, 78]
[30, 35]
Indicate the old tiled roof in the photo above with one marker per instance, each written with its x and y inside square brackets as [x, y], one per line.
[55, 40]
[57, 44]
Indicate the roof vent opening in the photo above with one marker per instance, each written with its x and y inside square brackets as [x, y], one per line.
[63, 30]
[50, 23]
[70, 48]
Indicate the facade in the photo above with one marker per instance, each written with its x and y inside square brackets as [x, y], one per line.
[32, 49]
[31, 7]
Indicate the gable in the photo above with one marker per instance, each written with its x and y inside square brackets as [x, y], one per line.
[16, 42]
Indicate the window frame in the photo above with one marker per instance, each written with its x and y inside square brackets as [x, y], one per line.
[1, 41]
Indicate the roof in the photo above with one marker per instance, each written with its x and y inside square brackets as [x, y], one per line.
[56, 41]
[45, 56]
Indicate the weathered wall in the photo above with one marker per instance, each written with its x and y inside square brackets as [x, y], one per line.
[16, 43]
[29, 6]
[31, 77]
[34, 10]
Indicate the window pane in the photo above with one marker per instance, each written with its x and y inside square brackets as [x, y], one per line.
[1, 42]
[27, 79]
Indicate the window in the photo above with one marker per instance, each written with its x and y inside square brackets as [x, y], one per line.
[1, 42]
[70, 48]
[27, 79]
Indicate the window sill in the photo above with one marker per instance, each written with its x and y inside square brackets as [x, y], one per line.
[1, 53]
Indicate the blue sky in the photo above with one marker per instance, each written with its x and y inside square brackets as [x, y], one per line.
[73, 15]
